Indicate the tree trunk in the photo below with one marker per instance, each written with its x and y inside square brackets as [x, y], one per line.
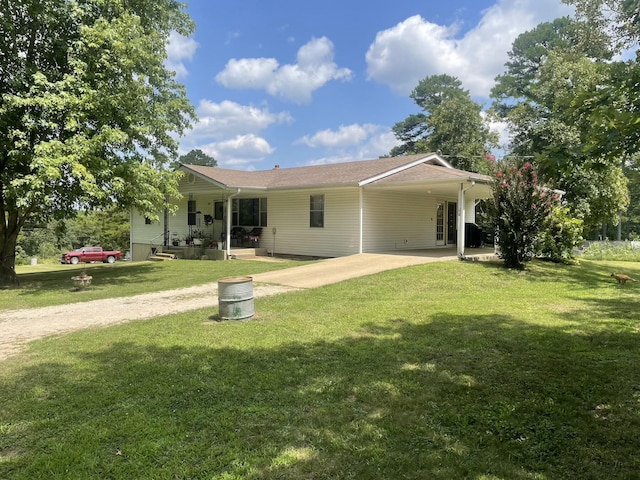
[10, 225]
[8, 258]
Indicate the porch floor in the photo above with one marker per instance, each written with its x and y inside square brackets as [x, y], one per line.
[446, 253]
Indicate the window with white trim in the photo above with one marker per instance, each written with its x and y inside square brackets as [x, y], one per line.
[316, 211]
[249, 212]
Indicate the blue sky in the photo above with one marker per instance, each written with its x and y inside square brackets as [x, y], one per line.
[295, 83]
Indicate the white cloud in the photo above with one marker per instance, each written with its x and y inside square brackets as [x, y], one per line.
[239, 151]
[502, 128]
[219, 120]
[229, 132]
[351, 142]
[403, 55]
[345, 136]
[179, 49]
[295, 82]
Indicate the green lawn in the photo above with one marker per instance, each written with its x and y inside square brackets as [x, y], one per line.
[440, 371]
[44, 285]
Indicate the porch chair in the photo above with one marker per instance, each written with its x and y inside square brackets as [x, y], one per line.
[253, 237]
[238, 234]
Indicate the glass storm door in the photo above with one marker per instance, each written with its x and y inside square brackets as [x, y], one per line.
[439, 224]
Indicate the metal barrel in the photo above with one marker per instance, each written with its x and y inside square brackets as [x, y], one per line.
[235, 298]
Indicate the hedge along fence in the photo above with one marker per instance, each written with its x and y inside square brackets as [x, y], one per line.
[606, 250]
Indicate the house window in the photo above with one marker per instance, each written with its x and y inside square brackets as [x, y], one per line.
[249, 212]
[147, 221]
[316, 211]
[218, 210]
[191, 212]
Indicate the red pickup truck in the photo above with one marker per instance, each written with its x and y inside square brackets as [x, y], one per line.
[90, 254]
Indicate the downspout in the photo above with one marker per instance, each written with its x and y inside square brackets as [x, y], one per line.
[228, 239]
[462, 216]
[361, 220]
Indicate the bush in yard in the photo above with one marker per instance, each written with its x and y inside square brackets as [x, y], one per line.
[520, 207]
[561, 235]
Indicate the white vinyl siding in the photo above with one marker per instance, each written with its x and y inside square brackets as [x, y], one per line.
[289, 215]
[145, 233]
[398, 221]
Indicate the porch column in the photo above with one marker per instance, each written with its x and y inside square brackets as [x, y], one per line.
[227, 240]
[229, 213]
[461, 218]
[361, 220]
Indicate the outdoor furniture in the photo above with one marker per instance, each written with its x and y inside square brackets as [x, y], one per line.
[237, 234]
[253, 237]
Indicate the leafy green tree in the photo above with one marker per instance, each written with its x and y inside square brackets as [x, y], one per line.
[560, 235]
[450, 122]
[613, 109]
[196, 157]
[528, 54]
[89, 113]
[539, 101]
[519, 208]
[620, 19]
[614, 105]
[107, 228]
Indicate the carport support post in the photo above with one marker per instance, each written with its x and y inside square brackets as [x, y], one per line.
[361, 220]
[229, 212]
[461, 217]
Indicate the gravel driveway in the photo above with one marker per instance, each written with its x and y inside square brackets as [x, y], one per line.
[17, 327]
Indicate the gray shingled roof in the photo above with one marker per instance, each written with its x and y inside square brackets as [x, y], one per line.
[382, 170]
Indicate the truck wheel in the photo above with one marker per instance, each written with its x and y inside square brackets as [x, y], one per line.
[111, 259]
[74, 260]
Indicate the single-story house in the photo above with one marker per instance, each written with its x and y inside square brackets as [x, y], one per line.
[382, 205]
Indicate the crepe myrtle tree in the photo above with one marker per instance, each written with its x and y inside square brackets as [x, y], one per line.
[89, 113]
[519, 208]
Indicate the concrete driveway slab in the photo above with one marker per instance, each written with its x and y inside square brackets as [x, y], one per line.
[333, 270]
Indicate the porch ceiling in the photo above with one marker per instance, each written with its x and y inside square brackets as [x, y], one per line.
[478, 190]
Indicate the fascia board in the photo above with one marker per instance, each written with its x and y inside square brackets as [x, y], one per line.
[402, 168]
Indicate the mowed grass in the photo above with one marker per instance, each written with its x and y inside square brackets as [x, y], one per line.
[45, 285]
[441, 371]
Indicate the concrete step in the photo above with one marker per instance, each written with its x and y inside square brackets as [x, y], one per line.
[163, 257]
[169, 255]
[246, 253]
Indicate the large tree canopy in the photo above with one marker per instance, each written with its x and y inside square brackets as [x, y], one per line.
[620, 19]
[450, 122]
[89, 113]
[539, 104]
[615, 105]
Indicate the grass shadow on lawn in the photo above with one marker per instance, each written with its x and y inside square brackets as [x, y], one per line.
[124, 279]
[42, 283]
[461, 396]
[589, 274]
